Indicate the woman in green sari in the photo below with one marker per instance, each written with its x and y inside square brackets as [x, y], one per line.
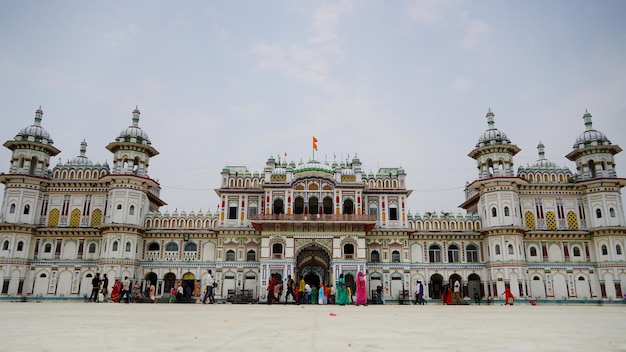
[342, 293]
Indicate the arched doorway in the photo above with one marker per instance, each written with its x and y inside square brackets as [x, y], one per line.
[150, 279]
[456, 277]
[313, 264]
[169, 282]
[435, 286]
[189, 285]
[474, 287]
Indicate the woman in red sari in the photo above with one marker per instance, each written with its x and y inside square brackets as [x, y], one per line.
[361, 292]
[115, 292]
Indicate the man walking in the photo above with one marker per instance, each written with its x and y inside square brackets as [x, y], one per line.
[95, 288]
[419, 293]
[456, 293]
[209, 283]
[125, 289]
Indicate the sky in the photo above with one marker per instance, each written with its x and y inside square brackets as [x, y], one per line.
[398, 83]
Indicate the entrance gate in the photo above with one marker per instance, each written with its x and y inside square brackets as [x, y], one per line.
[313, 264]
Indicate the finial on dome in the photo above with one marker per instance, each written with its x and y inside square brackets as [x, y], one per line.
[490, 120]
[587, 118]
[541, 149]
[136, 114]
[38, 116]
[83, 148]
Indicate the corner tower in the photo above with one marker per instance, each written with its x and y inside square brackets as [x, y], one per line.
[131, 195]
[495, 198]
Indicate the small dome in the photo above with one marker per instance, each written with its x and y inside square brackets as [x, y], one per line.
[279, 171]
[82, 159]
[347, 172]
[542, 162]
[134, 133]
[590, 135]
[492, 135]
[34, 132]
[313, 165]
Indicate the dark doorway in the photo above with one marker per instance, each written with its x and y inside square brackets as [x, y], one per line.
[434, 289]
[313, 264]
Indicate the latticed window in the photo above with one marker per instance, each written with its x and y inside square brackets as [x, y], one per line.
[251, 256]
[453, 254]
[434, 254]
[75, 218]
[529, 219]
[550, 220]
[375, 257]
[572, 221]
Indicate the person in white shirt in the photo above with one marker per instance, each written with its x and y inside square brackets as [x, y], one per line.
[209, 284]
[456, 293]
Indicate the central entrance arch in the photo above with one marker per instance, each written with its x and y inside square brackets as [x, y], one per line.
[313, 264]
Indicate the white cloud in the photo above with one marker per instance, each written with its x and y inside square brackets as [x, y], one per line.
[427, 11]
[462, 84]
[326, 22]
[474, 33]
[303, 64]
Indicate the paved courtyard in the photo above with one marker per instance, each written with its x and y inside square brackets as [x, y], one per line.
[73, 326]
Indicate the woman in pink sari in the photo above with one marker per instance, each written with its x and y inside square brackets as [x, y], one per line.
[361, 292]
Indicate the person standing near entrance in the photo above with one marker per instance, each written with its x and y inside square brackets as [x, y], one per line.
[125, 290]
[456, 293]
[95, 287]
[105, 286]
[302, 290]
[209, 284]
[290, 286]
[361, 291]
[270, 289]
[342, 293]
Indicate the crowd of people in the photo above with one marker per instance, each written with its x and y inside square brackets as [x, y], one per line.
[301, 292]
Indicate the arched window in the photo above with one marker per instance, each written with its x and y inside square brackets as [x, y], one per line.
[119, 207]
[533, 251]
[298, 205]
[278, 207]
[47, 248]
[506, 211]
[395, 256]
[348, 251]
[277, 251]
[171, 247]
[20, 246]
[92, 248]
[576, 252]
[494, 212]
[12, 209]
[131, 210]
[348, 206]
[251, 256]
[472, 254]
[453, 254]
[511, 249]
[5, 246]
[128, 246]
[26, 209]
[605, 250]
[612, 212]
[497, 249]
[191, 247]
[434, 254]
[618, 249]
[375, 256]
[153, 246]
[598, 213]
[230, 255]
[115, 245]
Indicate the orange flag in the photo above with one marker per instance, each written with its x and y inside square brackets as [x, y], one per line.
[314, 143]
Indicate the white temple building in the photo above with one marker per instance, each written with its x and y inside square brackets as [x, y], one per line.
[545, 231]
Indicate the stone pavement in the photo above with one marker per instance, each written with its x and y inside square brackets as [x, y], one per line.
[74, 326]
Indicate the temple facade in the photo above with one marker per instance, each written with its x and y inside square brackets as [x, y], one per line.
[544, 231]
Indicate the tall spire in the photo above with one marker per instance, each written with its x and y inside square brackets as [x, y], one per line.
[541, 149]
[587, 118]
[490, 121]
[38, 116]
[136, 114]
[83, 148]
